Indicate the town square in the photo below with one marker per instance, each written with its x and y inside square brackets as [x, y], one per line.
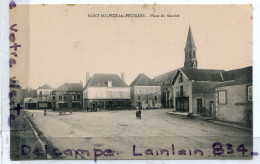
[142, 87]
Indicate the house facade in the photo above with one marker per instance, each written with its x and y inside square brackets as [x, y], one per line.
[106, 91]
[165, 82]
[68, 96]
[145, 93]
[30, 98]
[44, 97]
[234, 96]
[194, 91]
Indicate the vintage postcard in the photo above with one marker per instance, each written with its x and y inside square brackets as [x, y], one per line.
[136, 82]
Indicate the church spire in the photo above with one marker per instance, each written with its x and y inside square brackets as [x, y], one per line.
[190, 52]
[190, 42]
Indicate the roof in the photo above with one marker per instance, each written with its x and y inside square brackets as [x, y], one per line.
[32, 93]
[202, 74]
[190, 42]
[70, 87]
[100, 80]
[204, 86]
[45, 86]
[143, 80]
[165, 78]
[237, 77]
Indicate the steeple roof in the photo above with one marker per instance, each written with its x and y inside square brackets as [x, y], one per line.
[190, 42]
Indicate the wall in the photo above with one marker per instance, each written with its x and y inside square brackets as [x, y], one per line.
[231, 111]
[206, 97]
[167, 99]
[146, 92]
[69, 99]
[187, 90]
[45, 92]
[103, 93]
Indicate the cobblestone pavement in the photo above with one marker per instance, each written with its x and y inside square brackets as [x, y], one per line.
[120, 131]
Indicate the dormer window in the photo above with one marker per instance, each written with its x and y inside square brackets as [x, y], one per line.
[109, 84]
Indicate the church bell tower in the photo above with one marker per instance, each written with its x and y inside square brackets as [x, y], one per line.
[190, 52]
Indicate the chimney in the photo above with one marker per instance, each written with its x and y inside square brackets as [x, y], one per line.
[87, 77]
[123, 76]
[221, 76]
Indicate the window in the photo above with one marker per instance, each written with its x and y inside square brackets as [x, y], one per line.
[138, 97]
[249, 93]
[110, 93]
[222, 97]
[60, 98]
[53, 97]
[155, 98]
[63, 105]
[78, 96]
[189, 53]
[194, 54]
[73, 97]
[180, 78]
[65, 98]
[181, 90]
[40, 93]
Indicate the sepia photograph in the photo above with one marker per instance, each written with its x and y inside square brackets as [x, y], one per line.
[131, 82]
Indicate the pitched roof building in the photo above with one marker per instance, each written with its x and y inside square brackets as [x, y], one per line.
[68, 96]
[106, 91]
[70, 87]
[101, 80]
[143, 80]
[145, 93]
[234, 96]
[45, 86]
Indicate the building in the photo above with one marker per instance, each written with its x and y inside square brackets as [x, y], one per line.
[68, 96]
[165, 81]
[194, 90]
[30, 98]
[189, 89]
[145, 93]
[234, 96]
[44, 97]
[106, 91]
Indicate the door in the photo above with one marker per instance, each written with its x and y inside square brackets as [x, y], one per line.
[199, 106]
[182, 104]
[211, 107]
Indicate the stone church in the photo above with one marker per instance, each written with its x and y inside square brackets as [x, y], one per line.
[189, 89]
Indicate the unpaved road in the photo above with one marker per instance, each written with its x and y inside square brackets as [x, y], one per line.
[120, 131]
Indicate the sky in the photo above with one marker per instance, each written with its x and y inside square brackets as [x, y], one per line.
[64, 42]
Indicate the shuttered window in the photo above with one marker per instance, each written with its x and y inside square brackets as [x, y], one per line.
[222, 97]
